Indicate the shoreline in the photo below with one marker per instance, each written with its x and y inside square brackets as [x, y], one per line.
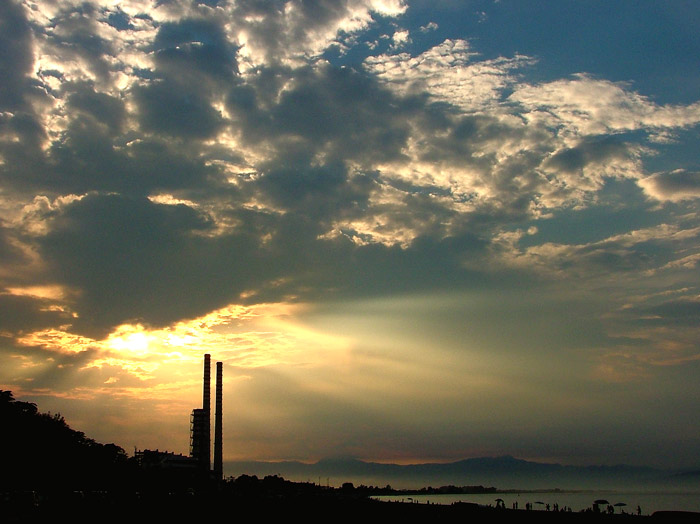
[175, 509]
[621, 502]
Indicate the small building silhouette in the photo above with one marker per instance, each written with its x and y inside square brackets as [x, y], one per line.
[163, 460]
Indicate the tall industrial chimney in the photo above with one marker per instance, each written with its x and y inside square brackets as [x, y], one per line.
[218, 424]
[200, 424]
[206, 406]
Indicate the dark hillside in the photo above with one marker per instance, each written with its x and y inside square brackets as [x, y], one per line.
[40, 451]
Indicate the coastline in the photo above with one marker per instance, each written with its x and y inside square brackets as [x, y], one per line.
[622, 501]
[176, 508]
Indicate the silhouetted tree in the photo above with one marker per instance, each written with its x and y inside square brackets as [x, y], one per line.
[40, 451]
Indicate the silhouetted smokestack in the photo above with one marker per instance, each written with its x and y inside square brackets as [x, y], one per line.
[206, 406]
[218, 424]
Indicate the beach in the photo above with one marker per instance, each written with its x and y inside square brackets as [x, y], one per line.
[644, 502]
[177, 508]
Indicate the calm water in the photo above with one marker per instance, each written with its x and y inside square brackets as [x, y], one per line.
[577, 501]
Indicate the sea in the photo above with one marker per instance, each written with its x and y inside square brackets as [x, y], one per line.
[621, 501]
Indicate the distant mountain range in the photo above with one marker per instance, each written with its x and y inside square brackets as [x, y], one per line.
[503, 472]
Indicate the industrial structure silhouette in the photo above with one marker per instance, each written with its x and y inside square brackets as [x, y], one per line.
[200, 423]
[199, 459]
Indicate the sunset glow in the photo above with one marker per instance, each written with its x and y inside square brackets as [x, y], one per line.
[411, 231]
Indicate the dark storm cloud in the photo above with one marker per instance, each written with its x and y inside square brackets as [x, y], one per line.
[25, 314]
[135, 260]
[21, 131]
[16, 56]
[310, 137]
[86, 160]
[318, 192]
[428, 263]
[75, 34]
[195, 50]
[132, 259]
[91, 153]
[8, 253]
[347, 114]
[193, 61]
[165, 109]
[26, 129]
[59, 374]
[153, 164]
[83, 160]
[11, 254]
[676, 185]
[680, 312]
[103, 108]
[467, 138]
[338, 268]
[340, 112]
[590, 151]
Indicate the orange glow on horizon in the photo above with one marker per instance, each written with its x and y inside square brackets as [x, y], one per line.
[242, 336]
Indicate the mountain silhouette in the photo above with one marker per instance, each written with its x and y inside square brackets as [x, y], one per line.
[505, 472]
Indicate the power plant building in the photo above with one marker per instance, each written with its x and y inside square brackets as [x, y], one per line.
[200, 424]
[199, 460]
[198, 434]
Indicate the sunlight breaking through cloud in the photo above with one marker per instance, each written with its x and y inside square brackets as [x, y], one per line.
[381, 215]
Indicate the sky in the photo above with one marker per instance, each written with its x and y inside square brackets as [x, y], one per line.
[413, 231]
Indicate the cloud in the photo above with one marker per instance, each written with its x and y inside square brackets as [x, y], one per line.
[74, 35]
[400, 39]
[179, 114]
[656, 330]
[587, 106]
[104, 109]
[170, 171]
[15, 56]
[326, 114]
[675, 186]
[682, 312]
[448, 73]
[195, 55]
[141, 261]
[639, 250]
[10, 252]
[19, 313]
[282, 164]
[284, 32]
[137, 260]
[599, 153]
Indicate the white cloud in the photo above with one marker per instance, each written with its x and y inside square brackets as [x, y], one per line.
[400, 39]
[587, 106]
[295, 31]
[448, 73]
